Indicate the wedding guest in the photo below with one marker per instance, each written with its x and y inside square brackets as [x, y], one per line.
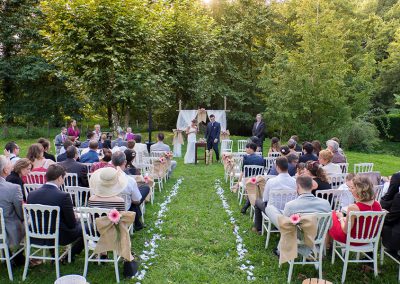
[363, 193]
[292, 159]
[131, 145]
[60, 139]
[46, 146]
[70, 231]
[13, 149]
[317, 147]
[300, 169]
[308, 153]
[89, 137]
[119, 142]
[297, 148]
[275, 145]
[161, 146]
[73, 131]
[104, 162]
[140, 149]
[129, 135]
[292, 146]
[102, 140]
[97, 133]
[63, 156]
[130, 168]
[318, 174]
[325, 159]
[282, 181]
[91, 156]
[259, 131]
[72, 166]
[340, 150]
[21, 168]
[333, 146]
[36, 156]
[347, 197]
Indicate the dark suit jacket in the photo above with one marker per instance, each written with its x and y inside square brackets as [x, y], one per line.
[391, 202]
[213, 131]
[49, 156]
[15, 179]
[62, 157]
[259, 131]
[72, 166]
[252, 160]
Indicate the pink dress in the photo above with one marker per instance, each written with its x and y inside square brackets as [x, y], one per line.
[74, 132]
[129, 136]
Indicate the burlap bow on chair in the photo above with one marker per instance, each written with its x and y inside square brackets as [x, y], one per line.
[160, 168]
[288, 244]
[224, 135]
[111, 240]
[140, 180]
[178, 138]
[201, 115]
[255, 188]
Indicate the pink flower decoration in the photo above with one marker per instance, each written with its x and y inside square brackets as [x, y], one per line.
[114, 216]
[253, 180]
[146, 179]
[295, 219]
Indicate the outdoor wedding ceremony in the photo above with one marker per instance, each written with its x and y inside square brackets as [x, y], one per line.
[200, 141]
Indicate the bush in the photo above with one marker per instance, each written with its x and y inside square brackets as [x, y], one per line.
[394, 126]
[361, 135]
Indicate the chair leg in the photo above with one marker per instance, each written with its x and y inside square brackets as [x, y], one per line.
[345, 263]
[376, 260]
[291, 264]
[116, 266]
[27, 255]
[57, 262]
[85, 268]
[8, 262]
[268, 234]
[333, 251]
[382, 253]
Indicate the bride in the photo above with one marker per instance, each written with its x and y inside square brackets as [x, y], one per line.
[191, 138]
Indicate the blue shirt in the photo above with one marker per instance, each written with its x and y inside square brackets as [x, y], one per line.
[89, 157]
[307, 157]
[291, 170]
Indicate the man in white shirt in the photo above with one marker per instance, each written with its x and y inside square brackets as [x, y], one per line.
[13, 149]
[160, 146]
[282, 181]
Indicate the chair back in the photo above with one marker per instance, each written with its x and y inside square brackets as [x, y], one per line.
[71, 179]
[41, 221]
[337, 180]
[363, 168]
[253, 171]
[3, 234]
[226, 146]
[89, 175]
[334, 196]
[157, 154]
[274, 154]
[344, 167]
[30, 187]
[237, 164]
[324, 221]
[36, 177]
[368, 226]
[88, 222]
[269, 162]
[79, 195]
[238, 154]
[241, 145]
[280, 197]
[378, 192]
[147, 169]
[88, 166]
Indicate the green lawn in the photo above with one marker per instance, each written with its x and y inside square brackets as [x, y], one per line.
[198, 245]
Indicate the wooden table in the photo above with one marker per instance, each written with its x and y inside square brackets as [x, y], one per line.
[200, 145]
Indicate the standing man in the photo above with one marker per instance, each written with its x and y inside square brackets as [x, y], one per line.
[213, 132]
[60, 139]
[259, 131]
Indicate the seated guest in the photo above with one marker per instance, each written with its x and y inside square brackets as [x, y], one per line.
[104, 142]
[72, 166]
[282, 181]
[130, 168]
[333, 146]
[251, 159]
[318, 174]
[46, 146]
[304, 203]
[97, 132]
[340, 150]
[317, 147]
[308, 153]
[134, 195]
[11, 203]
[36, 156]
[391, 228]
[60, 139]
[298, 148]
[256, 141]
[89, 137]
[21, 168]
[119, 142]
[63, 156]
[275, 145]
[129, 136]
[91, 156]
[292, 146]
[300, 169]
[292, 159]
[104, 162]
[73, 131]
[131, 145]
[13, 149]
[140, 147]
[363, 193]
[50, 194]
[106, 185]
[160, 146]
[347, 197]
[325, 159]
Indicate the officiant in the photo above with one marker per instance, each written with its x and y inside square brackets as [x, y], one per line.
[259, 131]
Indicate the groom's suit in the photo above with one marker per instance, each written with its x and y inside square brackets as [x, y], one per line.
[213, 132]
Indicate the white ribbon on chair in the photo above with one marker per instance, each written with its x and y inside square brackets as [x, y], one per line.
[185, 118]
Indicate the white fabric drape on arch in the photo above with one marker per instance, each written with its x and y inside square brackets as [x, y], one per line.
[185, 118]
[220, 116]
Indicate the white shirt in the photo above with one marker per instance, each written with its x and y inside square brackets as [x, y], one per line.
[53, 184]
[132, 191]
[160, 146]
[283, 181]
[347, 197]
[332, 168]
[14, 159]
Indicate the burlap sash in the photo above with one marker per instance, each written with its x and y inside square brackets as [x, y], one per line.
[178, 138]
[201, 115]
[108, 235]
[288, 242]
[140, 181]
[255, 190]
[224, 135]
[160, 169]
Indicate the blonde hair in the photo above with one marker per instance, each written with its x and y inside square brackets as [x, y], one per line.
[326, 155]
[363, 188]
[22, 164]
[34, 152]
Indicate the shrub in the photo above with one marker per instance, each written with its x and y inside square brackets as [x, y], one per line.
[361, 135]
[394, 126]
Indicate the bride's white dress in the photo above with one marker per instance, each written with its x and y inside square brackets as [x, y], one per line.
[190, 151]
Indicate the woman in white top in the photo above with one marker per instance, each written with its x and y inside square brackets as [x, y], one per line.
[191, 138]
[325, 159]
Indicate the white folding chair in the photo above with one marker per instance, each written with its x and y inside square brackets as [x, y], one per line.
[334, 196]
[157, 154]
[378, 192]
[30, 187]
[248, 172]
[89, 175]
[88, 166]
[241, 145]
[226, 146]
[274, 154]
[5, 253]
[363, 168]
[344, 167]
[42, 222]
[71, 179]
[278, 198]
[237, 169]
[269, 163]
[337, 180]
[91, 236]
[324, 223]
[36, 177]
[368, 236]
[79, 195]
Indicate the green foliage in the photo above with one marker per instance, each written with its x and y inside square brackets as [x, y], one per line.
[360, 135]
[393, 130]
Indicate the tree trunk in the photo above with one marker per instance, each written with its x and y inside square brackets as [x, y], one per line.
[115, 118]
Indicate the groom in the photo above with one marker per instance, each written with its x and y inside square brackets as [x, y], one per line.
[213, 132]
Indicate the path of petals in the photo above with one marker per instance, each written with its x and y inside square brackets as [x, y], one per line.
[148, 255]
[244, 265]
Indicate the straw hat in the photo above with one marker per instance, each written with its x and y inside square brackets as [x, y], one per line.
[107, 182]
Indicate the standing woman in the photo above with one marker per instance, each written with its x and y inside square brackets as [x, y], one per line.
[191, 132]
[73, 131]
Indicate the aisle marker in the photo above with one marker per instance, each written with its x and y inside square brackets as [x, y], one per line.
[245, 265]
